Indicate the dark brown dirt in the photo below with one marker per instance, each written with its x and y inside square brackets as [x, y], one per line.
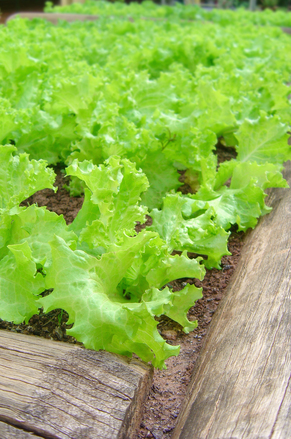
[169, 386]
[59, 202]
[51, 325]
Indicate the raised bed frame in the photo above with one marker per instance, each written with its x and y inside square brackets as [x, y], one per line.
[241, 385]
[58, 390]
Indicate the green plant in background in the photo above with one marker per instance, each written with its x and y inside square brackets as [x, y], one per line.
[180, 11]
[270, 3]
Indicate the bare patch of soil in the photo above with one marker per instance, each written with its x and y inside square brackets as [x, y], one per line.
[169, 386]
[59, 202]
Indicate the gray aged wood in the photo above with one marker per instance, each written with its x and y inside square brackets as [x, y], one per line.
[8, 431]
[241, 386]
[54, 17]
[69, 2]
[60, 391]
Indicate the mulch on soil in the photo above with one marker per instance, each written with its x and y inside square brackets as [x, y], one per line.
[169, 386]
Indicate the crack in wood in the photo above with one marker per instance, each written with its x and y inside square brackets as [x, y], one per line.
[21, 427]
[74, 393]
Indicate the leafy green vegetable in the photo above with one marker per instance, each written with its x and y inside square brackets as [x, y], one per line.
[199, 234]
[20, 177]
[178, 11]
[19, 284]
[111, 207]
[106, 276]
[263, 140]
[135, 109]
[163, 104]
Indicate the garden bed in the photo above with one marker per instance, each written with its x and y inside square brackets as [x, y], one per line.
[169, 386]
[61, 391]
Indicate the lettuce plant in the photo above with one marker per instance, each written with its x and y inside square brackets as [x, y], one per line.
[110, 279]
[130, 107]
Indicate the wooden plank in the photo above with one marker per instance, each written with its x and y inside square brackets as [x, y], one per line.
[54, 17]
[69, 2]
[282, 426]
[241, 386]
[62, 391]
[287, 30]
[8, 431]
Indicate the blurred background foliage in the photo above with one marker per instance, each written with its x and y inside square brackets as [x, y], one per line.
[37, 5]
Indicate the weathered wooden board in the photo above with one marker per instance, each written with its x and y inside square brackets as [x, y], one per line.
[54, 17]
[69, 2]
[8, 431]
[241, 385]
[60, 391]
[287, 30]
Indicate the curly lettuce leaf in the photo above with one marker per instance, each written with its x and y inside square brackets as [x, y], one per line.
[242, 202]
[103, 318]
[155, 267]
[103, 315]
[214, 110]
[176, 306]
[162, 176]
[20, 284]
[263, 140]
[193, 150]
[20, 177]
[45, 136]
[102, 279]
[111, 205]
[36, 226]
[7, 120]
[199, 234]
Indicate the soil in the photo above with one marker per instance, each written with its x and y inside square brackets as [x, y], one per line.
[169, 386]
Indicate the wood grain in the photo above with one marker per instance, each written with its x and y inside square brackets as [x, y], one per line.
[287, 30]
[53, 17]
[59, 391]
[69, 2]
[241, 385]
[8, 431]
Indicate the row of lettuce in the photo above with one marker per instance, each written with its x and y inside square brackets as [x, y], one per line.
[127, 107]
[178, 11]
